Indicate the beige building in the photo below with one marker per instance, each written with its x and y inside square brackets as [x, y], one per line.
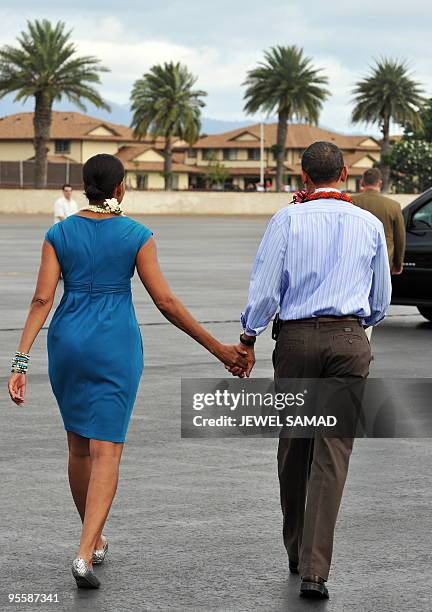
[239, 152]
[75, 137]
[145, 166]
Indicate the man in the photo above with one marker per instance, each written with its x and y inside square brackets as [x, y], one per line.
[388, 212]
[65, 205]
[323, 264]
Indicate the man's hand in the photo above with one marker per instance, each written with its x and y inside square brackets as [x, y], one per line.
[250, 357]
[397, 270]
[233, 356]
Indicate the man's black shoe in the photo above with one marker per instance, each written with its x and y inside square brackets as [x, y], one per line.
[293, 567]
[313, 587]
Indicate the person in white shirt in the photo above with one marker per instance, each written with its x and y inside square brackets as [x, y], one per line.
[65, 205]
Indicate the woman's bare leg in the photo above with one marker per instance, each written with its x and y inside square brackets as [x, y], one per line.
[79, 469]
[105, 461]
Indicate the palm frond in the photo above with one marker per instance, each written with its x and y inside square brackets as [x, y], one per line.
[286, 81]
[45, 61]
[165, 103]
[387, 92]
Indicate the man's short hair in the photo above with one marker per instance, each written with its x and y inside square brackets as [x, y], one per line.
[66, 185]
[323, 162]
[371, 176]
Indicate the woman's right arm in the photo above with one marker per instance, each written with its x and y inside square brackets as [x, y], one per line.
[172, 308]
[40, 306]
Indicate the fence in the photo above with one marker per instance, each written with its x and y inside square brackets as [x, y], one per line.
[22, 174]
[40, 201]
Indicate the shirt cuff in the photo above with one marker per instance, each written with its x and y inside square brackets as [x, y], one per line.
[247, 330]
[373, 320]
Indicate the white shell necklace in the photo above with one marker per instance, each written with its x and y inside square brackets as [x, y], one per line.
[110, 206]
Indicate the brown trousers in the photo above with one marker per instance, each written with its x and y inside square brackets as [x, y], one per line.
[312, 472]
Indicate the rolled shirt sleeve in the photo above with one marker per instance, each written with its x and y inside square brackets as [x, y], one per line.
[266, 278]
[380, 292]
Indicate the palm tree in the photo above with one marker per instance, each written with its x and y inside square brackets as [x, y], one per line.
[286, 83]
[164, 104]
[44, 65]
[388, 93]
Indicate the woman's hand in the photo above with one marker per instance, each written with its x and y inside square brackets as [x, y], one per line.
[17, 387]
[232, 356]
[242, 372]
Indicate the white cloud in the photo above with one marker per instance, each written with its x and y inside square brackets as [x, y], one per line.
[219, 73]
[220, 41]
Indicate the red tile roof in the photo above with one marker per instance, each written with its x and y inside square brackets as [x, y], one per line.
[153, 166]
[65, 125]
[299, 136]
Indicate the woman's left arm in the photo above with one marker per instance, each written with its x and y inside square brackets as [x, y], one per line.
[40, 306]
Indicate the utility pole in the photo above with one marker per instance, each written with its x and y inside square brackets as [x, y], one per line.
[262, 154]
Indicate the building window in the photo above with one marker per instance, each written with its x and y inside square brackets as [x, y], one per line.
[208, 154]
[230, 154]
[192, 153]
[62, 146]
[141, 181]
[254, 154]
[175, 181]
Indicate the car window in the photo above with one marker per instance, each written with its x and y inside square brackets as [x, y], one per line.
[422, 218]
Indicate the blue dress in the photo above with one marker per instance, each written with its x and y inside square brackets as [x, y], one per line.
[95, 349]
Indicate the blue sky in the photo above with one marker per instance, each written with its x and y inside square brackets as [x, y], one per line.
[221, 40]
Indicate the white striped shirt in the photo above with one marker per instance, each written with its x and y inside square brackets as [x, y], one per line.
[324, 257]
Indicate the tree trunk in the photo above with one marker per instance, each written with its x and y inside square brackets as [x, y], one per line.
[282, 130]
[168, 164]
[42, 127]
[385, 151]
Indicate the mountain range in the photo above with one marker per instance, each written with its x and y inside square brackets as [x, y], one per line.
[120, 113]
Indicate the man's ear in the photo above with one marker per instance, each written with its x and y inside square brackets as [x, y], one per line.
[344, 174]
[305, 178]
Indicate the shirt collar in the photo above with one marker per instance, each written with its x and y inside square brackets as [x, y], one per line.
[327, 189]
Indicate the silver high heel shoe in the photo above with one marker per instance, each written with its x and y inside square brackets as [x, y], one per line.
[100, 553]
[84, 575]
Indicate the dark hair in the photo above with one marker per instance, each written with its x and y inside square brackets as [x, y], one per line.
[66, 185]
[101, 175]
[371, 176]
[323, 162]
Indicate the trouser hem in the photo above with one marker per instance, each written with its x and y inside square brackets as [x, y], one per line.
[309, 571]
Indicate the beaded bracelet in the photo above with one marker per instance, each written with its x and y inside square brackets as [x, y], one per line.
[20, 363]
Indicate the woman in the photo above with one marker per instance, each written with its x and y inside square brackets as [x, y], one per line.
[95, 351]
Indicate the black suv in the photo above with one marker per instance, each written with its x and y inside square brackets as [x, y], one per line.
[414, 286]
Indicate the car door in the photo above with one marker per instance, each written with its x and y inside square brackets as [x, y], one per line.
[414, 285]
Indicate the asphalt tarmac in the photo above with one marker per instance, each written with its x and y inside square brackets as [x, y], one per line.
[196, 524]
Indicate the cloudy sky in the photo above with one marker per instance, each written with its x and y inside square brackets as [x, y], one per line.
[220, 40]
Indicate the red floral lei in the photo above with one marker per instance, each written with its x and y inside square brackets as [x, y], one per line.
[306, 196]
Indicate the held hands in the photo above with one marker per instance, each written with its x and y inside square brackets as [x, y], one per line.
[17, 387]
[233, 356]
[242, 372]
